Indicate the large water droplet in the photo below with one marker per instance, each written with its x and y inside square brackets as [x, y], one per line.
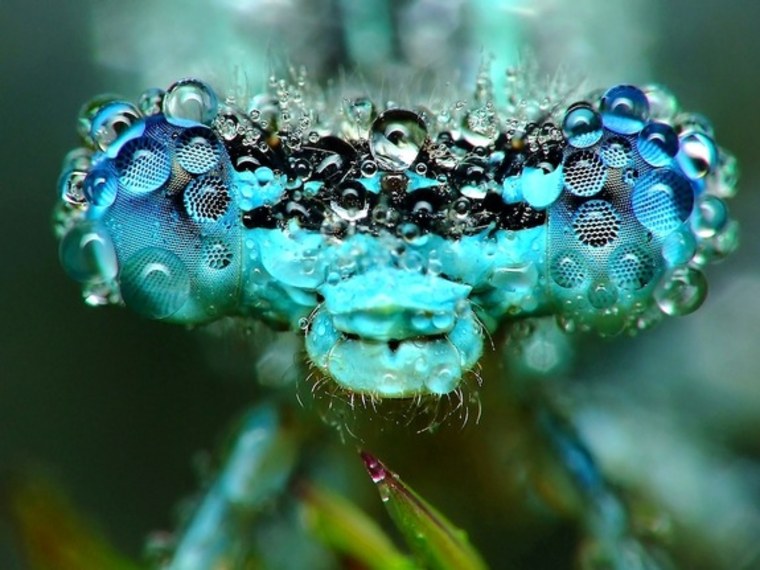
[657, 143]
[663, 105]
[681, 291]
[662, 200]
[151, 101]
[155, 283]
[568, 269]
[143, 165]
[582, 126]
[698, 155]
[396, 138]
[625, 109]
[111, 120]
[190, 101]
[87, 254]
[616, 152]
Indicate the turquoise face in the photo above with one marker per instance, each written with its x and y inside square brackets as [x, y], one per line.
[396, 248]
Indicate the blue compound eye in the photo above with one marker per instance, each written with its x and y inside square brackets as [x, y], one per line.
[396, 244]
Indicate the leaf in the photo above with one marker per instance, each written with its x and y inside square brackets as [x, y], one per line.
[438, 544]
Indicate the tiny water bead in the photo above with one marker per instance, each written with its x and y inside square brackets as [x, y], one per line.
[190, 101]
[681, 291]
[582, 126]
[657, 143]
[155, 283]
[396, 139]
[625, 109]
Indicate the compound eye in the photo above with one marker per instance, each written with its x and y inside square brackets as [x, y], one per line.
[624, 236]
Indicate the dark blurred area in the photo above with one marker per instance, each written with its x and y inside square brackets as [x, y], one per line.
[116, 409]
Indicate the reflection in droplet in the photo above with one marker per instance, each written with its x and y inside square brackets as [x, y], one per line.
[155, 283]
[87, 254]
[190, 100]
[625, 109]
[396, 138]
[582, 126]
[101, 186]
[698, 155]
[657, 143]
[111, 120]
[681, 291]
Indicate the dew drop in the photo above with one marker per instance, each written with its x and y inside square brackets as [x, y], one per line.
[698, 155]
[151, 101]
[155, 283]
[111, 120]
[101, 186]
[663, 105]
[681, 291]
[87, 254]
[679, 247]
[582, 126]
[190, 101]
[710, 216]
[396, 139]
[602, 295]
[657, 143]
[625, 109]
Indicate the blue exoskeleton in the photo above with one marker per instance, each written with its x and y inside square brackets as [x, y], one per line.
[396, 238]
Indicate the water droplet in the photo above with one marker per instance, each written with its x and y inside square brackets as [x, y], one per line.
[519, 278]
[101, 186]
[662, 200]
[625, 109]
[727, 175]
[190, 101]
[87, 254]
[582, 126]
[631, 267]
[710, 216]
[679, 247]
[143, 165]
[602, 295]
[87, 114]
[71, 187]
[663, 105]
[657, 143]
[151, 101]
[396, 138]
[155, 283]
[568, 270]
[111, 120]
[616, 152]
[681, 291]
[409, 232]
[369, 168]
[698, 155]
[197, 151]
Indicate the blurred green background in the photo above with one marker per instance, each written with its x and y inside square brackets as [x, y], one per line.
[115, 408]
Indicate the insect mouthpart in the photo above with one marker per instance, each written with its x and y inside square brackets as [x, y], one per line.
[395, 334]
